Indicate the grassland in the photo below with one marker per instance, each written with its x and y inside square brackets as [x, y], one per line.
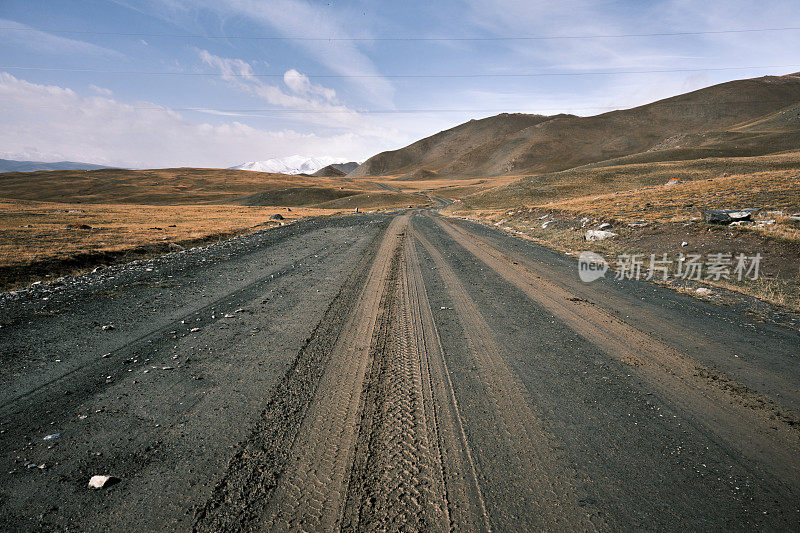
[58, 222]
[600, 179]
[651, 216]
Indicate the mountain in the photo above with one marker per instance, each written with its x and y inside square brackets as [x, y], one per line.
[295, 164]
[336, 170]
[10, 165]
[738, 118]
[438, 150]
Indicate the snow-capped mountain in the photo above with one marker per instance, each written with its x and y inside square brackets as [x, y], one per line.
[295, 164]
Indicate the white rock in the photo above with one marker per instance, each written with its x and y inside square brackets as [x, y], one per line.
[98, 482]
[604, 225]
[684, 243]
[599, 235]
[703, 291]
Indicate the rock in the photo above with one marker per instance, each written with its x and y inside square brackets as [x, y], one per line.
[276, 216]
[599, 235]
[108, 327]
[52, 436]
[174, 247]
[545, 224]
[703, 291]
[605, 225]
[726, 216]
[684, 243]
[673, 181]
[100, 482]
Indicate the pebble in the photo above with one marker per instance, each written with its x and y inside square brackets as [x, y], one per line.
[98, 482]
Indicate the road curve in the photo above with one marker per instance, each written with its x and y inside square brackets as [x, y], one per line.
[390, 372]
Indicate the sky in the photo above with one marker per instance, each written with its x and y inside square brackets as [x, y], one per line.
[216, 83]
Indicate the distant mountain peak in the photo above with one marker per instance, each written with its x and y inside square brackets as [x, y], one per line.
[293, 164]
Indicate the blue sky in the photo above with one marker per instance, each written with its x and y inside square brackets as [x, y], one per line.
[156, 83]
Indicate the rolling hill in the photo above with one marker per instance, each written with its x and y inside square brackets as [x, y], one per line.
[10, 165]
[747, 117]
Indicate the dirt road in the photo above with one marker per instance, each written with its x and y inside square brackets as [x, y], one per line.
[390, 372]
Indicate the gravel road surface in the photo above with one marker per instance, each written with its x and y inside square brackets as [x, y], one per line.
[398, 371]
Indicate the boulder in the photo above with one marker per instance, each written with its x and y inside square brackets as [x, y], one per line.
[726, 216]
[276, 216]
[599, 235]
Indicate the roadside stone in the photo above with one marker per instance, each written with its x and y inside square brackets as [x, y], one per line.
[726, 216]
[276, 216]
[100, 482]
[599, 235]
[174, 247]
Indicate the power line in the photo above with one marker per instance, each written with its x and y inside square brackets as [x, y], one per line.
[403, 39]
[397, 76]
[562, 110]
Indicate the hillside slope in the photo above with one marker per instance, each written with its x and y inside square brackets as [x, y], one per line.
[11, 165]
[436, 151]
[744, 117]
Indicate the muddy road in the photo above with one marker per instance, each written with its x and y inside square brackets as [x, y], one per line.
[390, 372]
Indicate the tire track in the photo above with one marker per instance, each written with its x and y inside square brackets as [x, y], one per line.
[539, 474]
[311, 495]
[244, 493]
[397, 483]
[466, 507]
[722, 405]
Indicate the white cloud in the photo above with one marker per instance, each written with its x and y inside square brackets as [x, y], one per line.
[318, 102]
[300, 84]
[43, 42]
[293, 19]
[101, 90]
[46, 122]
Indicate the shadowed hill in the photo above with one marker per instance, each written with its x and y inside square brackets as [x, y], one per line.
[336, 170]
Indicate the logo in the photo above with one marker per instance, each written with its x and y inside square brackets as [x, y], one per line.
[591, 266]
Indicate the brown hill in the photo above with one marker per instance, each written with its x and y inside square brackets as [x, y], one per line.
[744, 117]
[336, 170]
[436, 151]
[329, 172]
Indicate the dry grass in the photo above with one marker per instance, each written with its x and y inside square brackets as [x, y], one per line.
[594, 180]
[38, 231]
[771, 191]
